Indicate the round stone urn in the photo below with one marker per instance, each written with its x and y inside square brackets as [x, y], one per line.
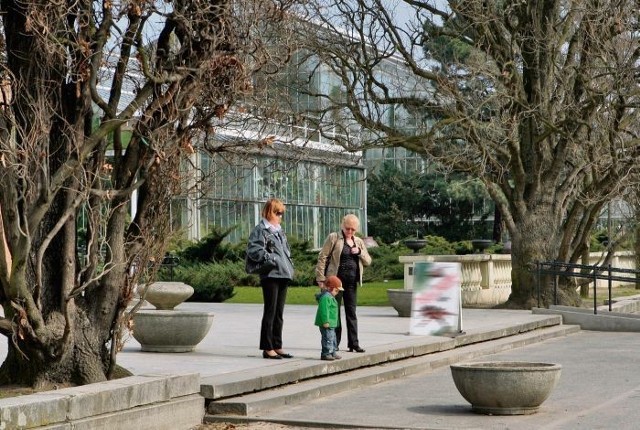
[170, 330]
[481, 244]
[166, 329]
[415, 244]
[505, 388]
[401, 301]
[167, 295]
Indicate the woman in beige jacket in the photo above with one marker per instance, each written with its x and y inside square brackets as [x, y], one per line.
[345, 255]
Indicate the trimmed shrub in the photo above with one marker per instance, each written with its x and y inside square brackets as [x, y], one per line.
[305, 271]
[211, 282]
[385, 263]
[463, 247]
[212, 248]
[437, 245]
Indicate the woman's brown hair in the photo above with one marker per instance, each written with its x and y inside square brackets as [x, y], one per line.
[272, 206]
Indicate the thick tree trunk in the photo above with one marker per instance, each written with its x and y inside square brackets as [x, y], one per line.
[63, 307]
[81, 360]
[535, 238]
[72, 345]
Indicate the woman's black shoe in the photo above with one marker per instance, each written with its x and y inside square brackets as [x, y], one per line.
[284, 355]
[356, 349]
[272, 357]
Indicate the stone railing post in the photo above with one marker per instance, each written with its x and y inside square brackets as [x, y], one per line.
[488, 273]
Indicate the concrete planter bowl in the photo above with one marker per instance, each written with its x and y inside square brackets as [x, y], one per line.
[165, 329]
[415, 244]
[505, 388]
[401, 301]
[167, 295]
[170, 331]
[481, 244]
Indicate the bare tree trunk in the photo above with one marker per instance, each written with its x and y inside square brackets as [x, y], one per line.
[535, 240]
[82, 359]
[69, 166]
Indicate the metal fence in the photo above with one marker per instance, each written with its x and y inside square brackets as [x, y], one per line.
[591, 272]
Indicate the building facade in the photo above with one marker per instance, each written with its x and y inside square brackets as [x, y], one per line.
[232, 188]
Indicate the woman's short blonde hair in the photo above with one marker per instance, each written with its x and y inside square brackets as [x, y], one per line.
[352, 220]
[272, 206]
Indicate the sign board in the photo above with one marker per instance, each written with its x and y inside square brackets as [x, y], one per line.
[436, 306]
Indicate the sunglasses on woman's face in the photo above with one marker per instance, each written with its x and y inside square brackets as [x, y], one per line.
[279, 213]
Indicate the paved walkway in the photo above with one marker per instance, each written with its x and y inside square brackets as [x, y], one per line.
[598, 389]
[599, 386]
[232, 343]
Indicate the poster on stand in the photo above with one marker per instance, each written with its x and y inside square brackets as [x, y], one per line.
[436, 307]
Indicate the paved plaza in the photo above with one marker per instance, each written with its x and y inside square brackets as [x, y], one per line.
[598, 389]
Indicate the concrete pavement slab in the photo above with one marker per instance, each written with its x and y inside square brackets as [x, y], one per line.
[232, 343]
[598, 389]
[231, 347]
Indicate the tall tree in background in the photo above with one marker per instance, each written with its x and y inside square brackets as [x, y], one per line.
[538, 99]
[100, 100]
[405, 204]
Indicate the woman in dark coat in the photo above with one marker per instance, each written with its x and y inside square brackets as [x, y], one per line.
[268, 243]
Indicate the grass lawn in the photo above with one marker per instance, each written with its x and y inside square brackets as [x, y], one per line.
[602, 295]
[375, 294]
[370, 294]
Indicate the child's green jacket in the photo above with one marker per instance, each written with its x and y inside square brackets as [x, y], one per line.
[327, 310]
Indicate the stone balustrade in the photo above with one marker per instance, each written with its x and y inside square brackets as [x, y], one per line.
[486, 278]
[620, 260]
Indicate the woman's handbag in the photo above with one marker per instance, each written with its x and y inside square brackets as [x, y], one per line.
[259, 267]
[263, 267]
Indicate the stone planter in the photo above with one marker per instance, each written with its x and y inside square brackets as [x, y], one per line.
[401, 301]
[415, 244]
[167, 295]
[170, 330]
[505, 388]
[481, 244]
[165, 329]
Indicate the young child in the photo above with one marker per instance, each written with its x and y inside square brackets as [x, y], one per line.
[327, 317]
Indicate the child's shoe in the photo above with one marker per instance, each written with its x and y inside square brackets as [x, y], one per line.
[327, 357]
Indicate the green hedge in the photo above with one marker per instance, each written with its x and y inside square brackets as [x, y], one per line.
[213, 268]
[212, 282]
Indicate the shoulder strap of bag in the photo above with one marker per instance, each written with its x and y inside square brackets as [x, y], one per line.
[333, 245]
[330, 255]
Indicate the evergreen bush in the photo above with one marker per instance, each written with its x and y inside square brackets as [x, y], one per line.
[212, 282]
[385, 263]
[437, 245]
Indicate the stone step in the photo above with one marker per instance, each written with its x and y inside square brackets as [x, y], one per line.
[587, 320]
[136, 402]
[289, 371]
[259, 402]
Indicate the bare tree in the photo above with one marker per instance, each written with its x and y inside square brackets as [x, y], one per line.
[100, 100]
[538, 99]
